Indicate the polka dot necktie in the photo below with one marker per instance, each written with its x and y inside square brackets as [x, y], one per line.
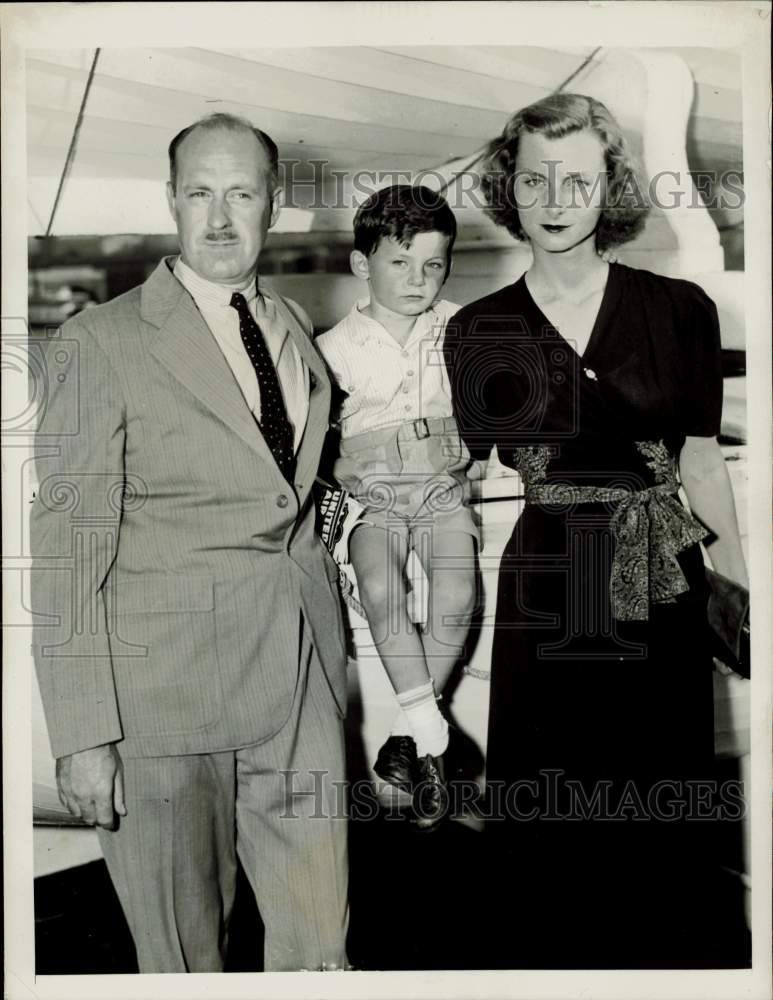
[274, 422]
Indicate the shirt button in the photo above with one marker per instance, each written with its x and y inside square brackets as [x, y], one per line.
[409, 372]
[282, 500]
[590, 373]
[404, 354]
[408, 406]
[406, 389]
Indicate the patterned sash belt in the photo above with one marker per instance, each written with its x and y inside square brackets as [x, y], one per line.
[650, 527]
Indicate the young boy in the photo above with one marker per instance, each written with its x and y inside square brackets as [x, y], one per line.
[402, 458]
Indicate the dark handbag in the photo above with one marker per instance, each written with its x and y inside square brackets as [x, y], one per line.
[728, 617]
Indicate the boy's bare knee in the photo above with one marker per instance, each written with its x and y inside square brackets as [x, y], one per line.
[457, 593]
[379, 597]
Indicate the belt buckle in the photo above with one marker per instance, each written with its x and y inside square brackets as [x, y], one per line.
[421, 428]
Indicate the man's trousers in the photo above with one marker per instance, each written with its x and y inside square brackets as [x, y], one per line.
[278, 805]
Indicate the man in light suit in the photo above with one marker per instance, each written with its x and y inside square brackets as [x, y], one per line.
[188, 634]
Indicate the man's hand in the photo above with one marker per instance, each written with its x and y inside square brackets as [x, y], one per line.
[90, 784]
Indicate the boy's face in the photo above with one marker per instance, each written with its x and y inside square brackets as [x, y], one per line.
[405, 279]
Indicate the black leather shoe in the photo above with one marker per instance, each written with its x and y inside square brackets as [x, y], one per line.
[430, 795]
[396, 762]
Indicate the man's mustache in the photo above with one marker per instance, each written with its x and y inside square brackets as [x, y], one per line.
[220, 237]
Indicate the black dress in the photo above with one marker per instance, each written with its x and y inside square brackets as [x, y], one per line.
[601, 718]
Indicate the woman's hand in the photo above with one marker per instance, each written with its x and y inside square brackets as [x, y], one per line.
[704, 476]
[477, 469]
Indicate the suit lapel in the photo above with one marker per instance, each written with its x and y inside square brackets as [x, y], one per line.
[319, 399]
[186, 347]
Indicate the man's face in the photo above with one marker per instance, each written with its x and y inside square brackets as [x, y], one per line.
[224, 203]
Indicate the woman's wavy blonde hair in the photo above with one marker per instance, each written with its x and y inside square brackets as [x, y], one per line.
[625, 205]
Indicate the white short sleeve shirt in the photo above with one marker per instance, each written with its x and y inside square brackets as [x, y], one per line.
[385, 383]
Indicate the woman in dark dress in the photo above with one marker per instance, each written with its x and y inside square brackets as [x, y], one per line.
[601, 385]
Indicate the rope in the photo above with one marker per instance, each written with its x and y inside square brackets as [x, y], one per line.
[347, 592]
[73, 141]
[579, 69]
[477, 157]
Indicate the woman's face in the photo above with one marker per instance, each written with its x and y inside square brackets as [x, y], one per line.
[559, 185]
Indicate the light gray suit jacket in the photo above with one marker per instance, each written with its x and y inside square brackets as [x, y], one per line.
[174, 567]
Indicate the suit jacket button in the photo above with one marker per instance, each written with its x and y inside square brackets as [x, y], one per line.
[282, 500]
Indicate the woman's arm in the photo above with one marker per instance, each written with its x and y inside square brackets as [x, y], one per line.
[707, 485]
[465, 353]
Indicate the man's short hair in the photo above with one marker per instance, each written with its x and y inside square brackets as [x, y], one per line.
[399, 212]
[232, 123]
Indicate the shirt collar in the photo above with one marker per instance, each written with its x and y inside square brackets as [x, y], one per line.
[209, 293]
[424, 321]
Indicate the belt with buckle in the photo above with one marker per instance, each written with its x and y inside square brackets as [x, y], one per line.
[412, 430]
[424, 427]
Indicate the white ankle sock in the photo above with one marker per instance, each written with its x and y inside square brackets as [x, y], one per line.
[430, 729]
[401, 726]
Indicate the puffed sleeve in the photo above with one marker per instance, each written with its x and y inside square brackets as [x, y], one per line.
[466, 360]
[700, 361]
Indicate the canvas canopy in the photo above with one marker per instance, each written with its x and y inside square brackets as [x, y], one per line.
[336, 113]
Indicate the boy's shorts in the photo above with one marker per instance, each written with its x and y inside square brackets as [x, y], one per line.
[410, 477]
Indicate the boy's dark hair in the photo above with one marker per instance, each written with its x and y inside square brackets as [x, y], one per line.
[399, 212]
[231, 123]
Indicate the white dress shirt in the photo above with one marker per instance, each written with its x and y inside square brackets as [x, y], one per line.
[386, 383]
[213, 302]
